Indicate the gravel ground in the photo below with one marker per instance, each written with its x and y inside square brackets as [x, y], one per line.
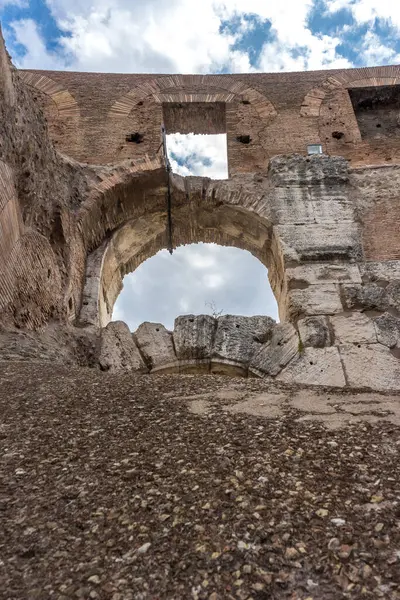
[111, 488]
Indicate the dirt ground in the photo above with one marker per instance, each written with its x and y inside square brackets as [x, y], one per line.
[196, 487]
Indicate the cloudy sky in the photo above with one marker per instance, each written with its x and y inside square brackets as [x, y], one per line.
[193, 36]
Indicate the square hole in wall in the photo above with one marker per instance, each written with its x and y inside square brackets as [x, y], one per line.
[201, 155]
[196, 138]
[377, 110]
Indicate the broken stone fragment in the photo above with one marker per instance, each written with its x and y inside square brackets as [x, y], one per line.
[237, 338]
[155, 344]
[314, 331]
[276, 354]
[118, 350]
[388, 330]
[193, 336]
[369, 296]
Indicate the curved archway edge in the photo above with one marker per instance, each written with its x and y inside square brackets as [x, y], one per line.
[172, 89]
[376, 77]
[66, 104]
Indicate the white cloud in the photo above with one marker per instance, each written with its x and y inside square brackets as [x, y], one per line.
[376, 53]
[166, 286]
[366, 11]
[26, 33]
[183, 36]
[201, 155]
[213, 280]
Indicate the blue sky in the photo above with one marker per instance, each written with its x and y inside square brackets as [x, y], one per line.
[218, 36]
[192, 36]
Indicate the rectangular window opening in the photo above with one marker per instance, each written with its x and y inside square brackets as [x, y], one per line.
[377, 110]
[196, 138]
[200, 155]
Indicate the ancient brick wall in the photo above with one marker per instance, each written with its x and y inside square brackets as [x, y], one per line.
[77, 215]
[281, 113]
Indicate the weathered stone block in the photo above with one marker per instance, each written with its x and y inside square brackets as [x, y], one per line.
[314, 331]
[368, 296]
[380, 271]
[353, 328]
[317, 366]
[118, 350]
[388, 330]
[393, 294]
[275, 354]
[237, 338]
[310, 170]
[328, 241]
[155, 344]
[314, 300]
[193, 336]
[300, 205]
[322, 273]
[372, 366]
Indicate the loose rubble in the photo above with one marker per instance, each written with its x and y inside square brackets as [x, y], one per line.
[113, 489]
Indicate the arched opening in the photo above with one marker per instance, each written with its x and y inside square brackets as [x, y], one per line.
[197, 279]
[139, 239]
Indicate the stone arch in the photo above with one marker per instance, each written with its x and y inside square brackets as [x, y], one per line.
[63, 99]
[367, 77]
[203, 211]
[60, 110]
[190, 88]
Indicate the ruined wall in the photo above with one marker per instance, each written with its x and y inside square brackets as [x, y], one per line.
[281, 113]
[326, 227]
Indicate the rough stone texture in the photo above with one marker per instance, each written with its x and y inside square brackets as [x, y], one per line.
[194, 336]
[388, 330]
[145, 470]
[314, 331]
[371, 366]
[316, 300]
[318, 366]
[237, 338]
[278, 352]
[353, 328]
[156, 345]
[118, 350]
[108, 479]
[366, 297]
[327, 233]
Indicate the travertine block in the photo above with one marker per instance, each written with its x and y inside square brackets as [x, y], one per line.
[314, 332]
[320, 273]
[315, 300]
[353, 328]
[338, 241]
[388, 330]
[381, 271]
[371, 366]
[238, 338]
[300, 205]
[193, 336]
[369, 296]
[155, 344]
[317, 366]
[275, 354]
[118, 349]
